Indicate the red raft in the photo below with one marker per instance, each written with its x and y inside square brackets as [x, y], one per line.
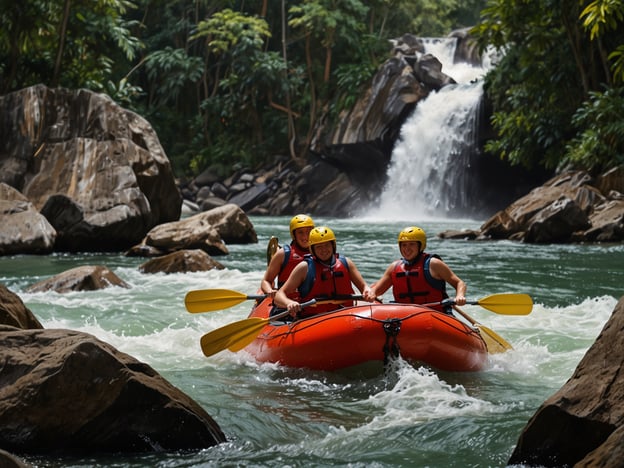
[370, 332]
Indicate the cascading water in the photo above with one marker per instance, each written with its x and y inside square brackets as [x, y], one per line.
[427, 175]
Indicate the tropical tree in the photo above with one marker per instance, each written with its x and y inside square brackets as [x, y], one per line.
[600, 120]
[72, 43]
[548, 70]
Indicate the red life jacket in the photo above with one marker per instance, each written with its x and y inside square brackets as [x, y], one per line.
[412, 283]
[293, 255]
[325, 281]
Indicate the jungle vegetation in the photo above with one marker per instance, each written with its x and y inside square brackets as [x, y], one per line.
[228, 83]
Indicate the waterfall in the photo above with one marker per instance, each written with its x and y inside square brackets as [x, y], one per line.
[427, 176]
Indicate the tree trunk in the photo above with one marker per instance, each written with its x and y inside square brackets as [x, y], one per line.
[61, 47]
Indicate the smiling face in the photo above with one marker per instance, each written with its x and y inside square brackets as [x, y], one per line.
[302, 237]
[409, 250]
[323, 251]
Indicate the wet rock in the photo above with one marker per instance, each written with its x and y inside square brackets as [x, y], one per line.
[208, 231]
[104, 159]
[8, 460]
[82, 278]
[14, 313]
[182, 261]
[567, 208]
[23, 230]
[66, 392]
[582, 424]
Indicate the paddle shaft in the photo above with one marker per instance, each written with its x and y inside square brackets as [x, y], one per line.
[495, 343]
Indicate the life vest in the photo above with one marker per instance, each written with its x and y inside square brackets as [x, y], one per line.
[412, 283]
[325, 281]
[293, 255]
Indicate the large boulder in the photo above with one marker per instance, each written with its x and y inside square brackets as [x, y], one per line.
[582, 424]
[570, 207]
[81, 278]
[98, 169]
[208, 231]
[182, 261]
[23, 230]
[66, 392]
[14, 313]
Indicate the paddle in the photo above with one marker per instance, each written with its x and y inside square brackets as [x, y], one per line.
[506, 304]
[209, 300]
[495, 343]
[235, 336]
[272, 247]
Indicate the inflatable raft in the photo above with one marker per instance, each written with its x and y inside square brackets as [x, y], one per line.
[367, 332]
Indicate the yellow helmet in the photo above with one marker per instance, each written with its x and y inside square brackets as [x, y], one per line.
[413, 234]
[321, 234]
[300, 221]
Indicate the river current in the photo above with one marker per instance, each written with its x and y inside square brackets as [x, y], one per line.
[402, 416]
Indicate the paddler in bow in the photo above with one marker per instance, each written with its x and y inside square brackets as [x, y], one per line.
[325, 274]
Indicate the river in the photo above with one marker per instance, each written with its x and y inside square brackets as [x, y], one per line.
[403, 416]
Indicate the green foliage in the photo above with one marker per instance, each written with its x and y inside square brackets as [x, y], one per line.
[227, 30]
[169, 71]
[600, 144]
[617, 58]
[601, 16]
[603, 20]
[534, 86]
[211, 75]
[96, 31]
[547, 108]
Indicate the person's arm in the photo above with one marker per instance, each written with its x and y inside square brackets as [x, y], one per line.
[358, 280]
[268, 281]
[297, 276]
[440, 270]
[379, 287]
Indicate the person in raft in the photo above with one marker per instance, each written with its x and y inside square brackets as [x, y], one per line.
[287, 257]
[323, 274]
[418, 277]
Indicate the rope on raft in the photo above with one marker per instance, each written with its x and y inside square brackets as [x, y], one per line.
[391, 346]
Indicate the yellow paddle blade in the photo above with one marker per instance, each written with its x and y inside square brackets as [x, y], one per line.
[272, 247]
[495, 343]
[221, 338]
[242, 339]
[209, 300]
[507, 304]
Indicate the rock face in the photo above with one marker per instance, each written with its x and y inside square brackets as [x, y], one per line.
[96, 171]
[583, 423]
